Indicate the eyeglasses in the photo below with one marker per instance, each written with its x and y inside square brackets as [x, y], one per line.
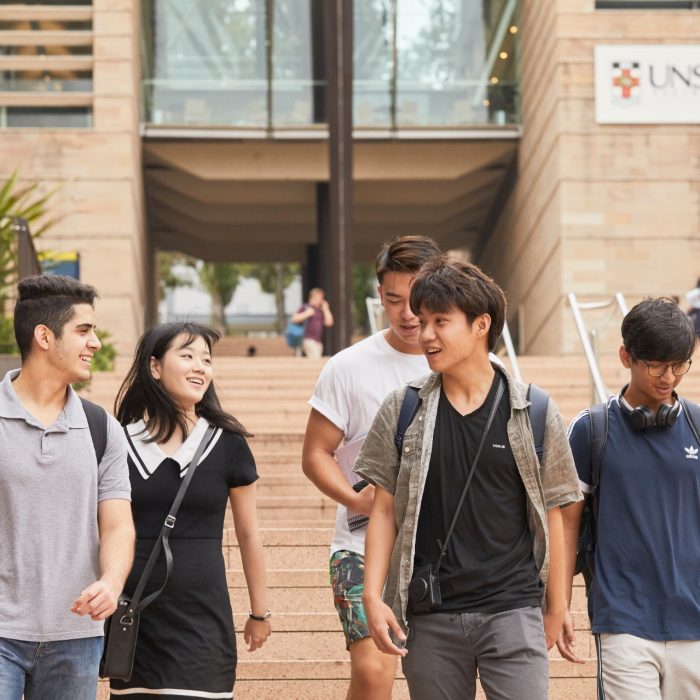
[658, 369]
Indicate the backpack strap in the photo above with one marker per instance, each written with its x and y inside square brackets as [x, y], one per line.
[537, 412]
[598, 417]
[409, 407]
[97, 422]
[692, 410]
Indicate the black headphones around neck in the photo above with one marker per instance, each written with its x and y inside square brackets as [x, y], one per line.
[643, 418]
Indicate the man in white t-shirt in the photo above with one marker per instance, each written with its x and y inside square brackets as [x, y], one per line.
[348, 393]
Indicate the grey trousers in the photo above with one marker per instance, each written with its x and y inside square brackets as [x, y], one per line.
[508, 649]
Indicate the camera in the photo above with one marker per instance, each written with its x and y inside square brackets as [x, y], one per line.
[424, 590]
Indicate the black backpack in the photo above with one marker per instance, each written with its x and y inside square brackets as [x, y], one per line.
[585, 549]
[97, 422]
[537, 411]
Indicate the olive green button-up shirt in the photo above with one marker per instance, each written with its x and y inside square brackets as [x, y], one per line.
[548, 485]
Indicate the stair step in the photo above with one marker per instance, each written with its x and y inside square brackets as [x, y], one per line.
[286, 536]
[297, 622]
[287, 559]
[284, 600]
[284, 578]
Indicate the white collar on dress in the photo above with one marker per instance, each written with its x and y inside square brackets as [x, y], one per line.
[148, 456]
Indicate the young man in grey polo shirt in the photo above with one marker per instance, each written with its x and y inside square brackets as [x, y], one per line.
[505, 555]
[66, 533]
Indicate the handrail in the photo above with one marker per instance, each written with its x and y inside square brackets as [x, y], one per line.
[577, 306]
[510, 351]
[373, 304]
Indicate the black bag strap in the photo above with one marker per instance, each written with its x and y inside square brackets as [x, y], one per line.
[598, 416]
[537, 411]
[137, 604]
[409, 407]
[489, 421]
[97, 422]
[692, 410]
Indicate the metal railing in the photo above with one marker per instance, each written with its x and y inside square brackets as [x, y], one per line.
[510, 351]
[599, 390]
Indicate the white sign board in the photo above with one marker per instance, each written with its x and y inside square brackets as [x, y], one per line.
[645, 84]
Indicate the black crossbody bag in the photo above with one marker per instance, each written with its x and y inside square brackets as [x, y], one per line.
[122, 627]
[424, 589]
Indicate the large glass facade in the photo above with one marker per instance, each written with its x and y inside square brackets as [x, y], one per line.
[259, 63]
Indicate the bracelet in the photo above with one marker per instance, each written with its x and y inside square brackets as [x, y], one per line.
[260, 618]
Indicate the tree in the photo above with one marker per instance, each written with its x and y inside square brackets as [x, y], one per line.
[274, 278]
[220, 280]
[168, 278]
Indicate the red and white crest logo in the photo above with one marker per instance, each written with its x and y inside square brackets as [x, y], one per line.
[626, 79]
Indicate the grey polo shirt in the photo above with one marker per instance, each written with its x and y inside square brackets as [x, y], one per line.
[50, 485]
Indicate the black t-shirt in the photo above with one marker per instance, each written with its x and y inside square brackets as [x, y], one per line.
[489, 565]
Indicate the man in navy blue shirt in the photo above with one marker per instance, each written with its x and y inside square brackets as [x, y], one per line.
[644, 601]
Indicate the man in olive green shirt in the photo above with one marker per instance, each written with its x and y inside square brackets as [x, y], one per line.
[505, 556]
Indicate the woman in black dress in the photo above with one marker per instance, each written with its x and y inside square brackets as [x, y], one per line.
[186, 644]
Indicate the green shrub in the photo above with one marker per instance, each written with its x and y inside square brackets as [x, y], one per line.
[8, 346]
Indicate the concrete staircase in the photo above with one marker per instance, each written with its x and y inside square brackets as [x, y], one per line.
[306, 656]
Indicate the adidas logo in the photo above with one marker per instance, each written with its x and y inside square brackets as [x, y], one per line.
[691, 452]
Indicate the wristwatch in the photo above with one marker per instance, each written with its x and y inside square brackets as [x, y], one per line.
[259, 618]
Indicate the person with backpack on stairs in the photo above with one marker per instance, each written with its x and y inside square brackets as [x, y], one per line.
[66, 533]
[465, 535]
[348, 393]
[637, 461]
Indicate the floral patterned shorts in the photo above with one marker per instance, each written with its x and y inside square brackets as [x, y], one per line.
[347, 579]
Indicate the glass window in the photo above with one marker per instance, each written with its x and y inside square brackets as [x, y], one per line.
[207, 62]
[416, 62]
[373, 62]
[53, 50]
[63, 3]
[457, 62]
[27, 25]
[647, 5]
[46, 117]
[46, 81]
[292, 59]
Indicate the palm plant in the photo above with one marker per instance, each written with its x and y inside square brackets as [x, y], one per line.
[17, 200]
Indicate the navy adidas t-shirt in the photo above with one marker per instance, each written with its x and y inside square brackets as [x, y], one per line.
[647, 579]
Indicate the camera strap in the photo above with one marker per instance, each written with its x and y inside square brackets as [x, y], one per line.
[489, 421]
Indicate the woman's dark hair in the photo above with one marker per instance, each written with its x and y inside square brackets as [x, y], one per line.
[658, 329]
[444, 284]
[141, 396]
